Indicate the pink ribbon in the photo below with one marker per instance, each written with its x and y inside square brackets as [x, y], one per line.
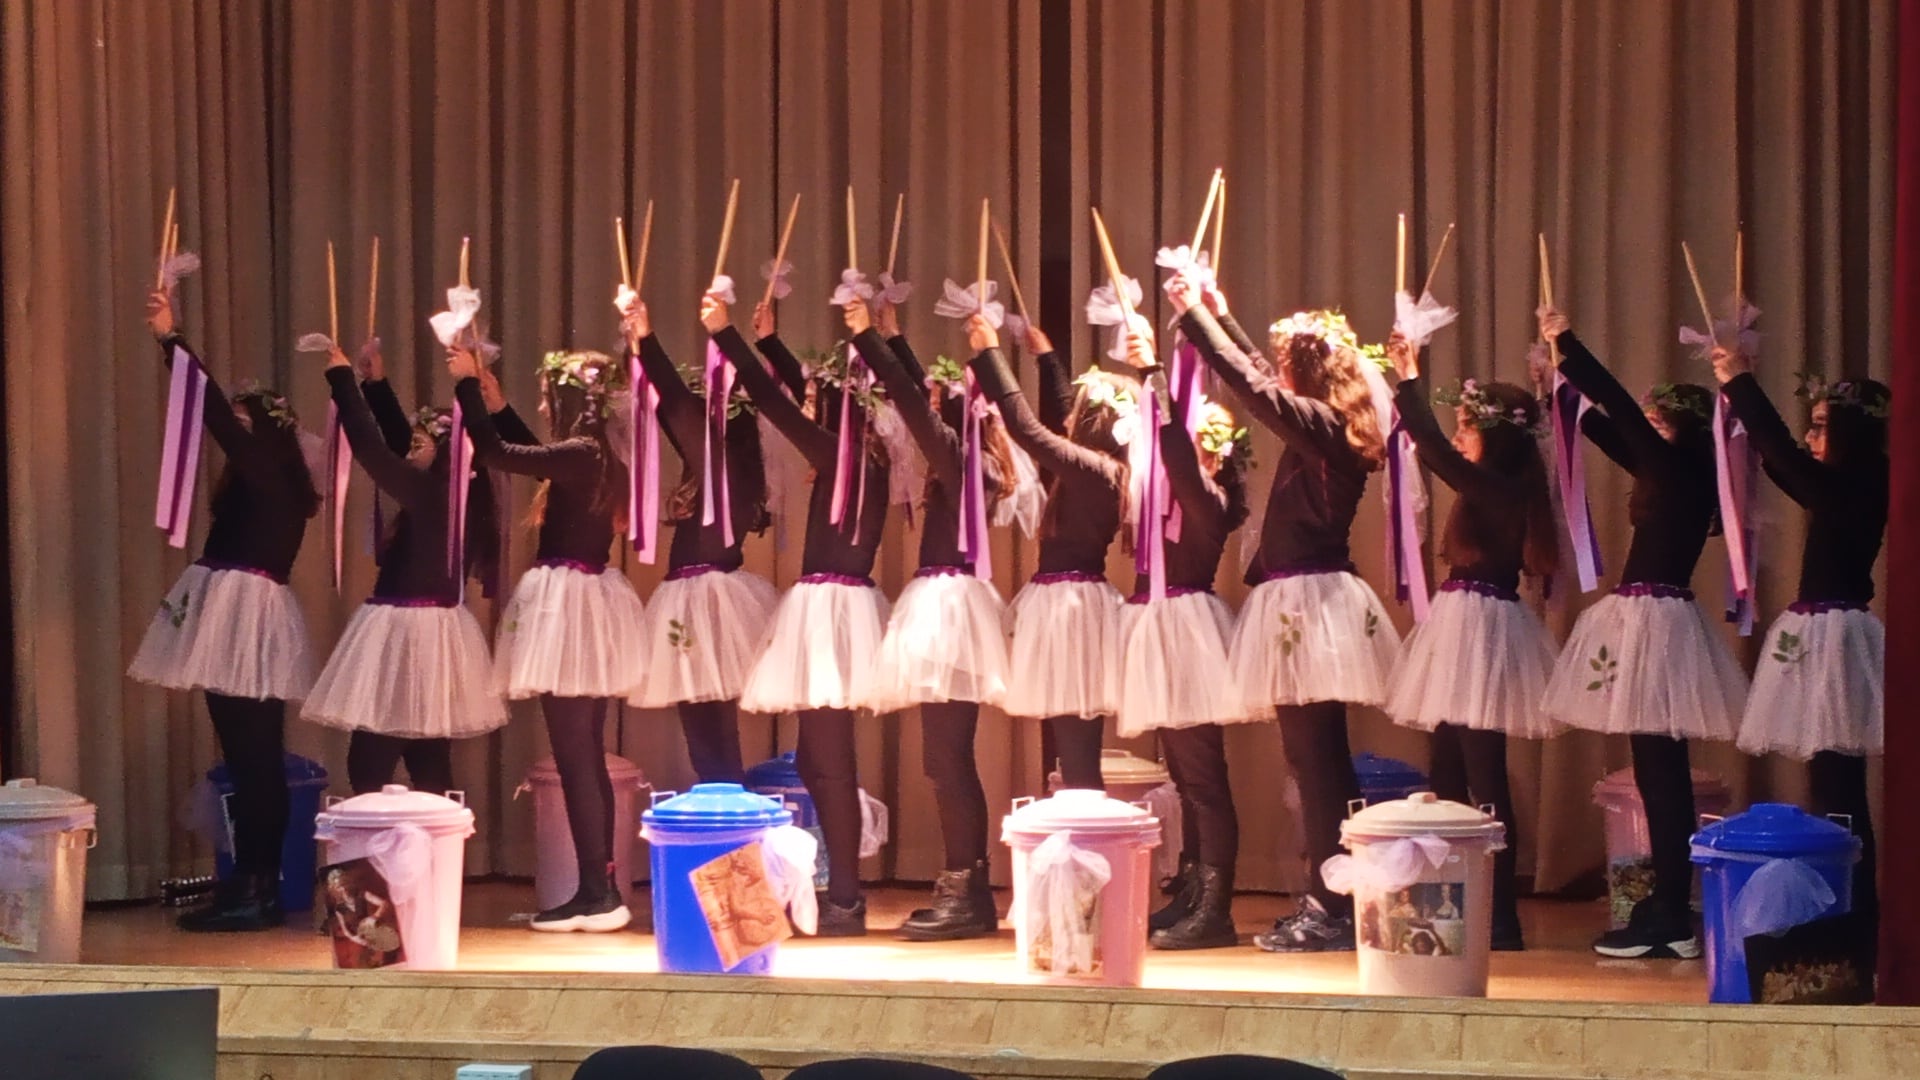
[339, 471]
[1403, 523]
[975, 542]
[180, 448]
[1737, 467]
[459, 474]
[1570, 472]
[643, 477]
[844, 485]
[1150, 499]
[1184, 386]
[714, 489]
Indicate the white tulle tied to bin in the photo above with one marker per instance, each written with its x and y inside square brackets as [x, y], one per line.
[1082, 864]
[1060, 913]
[789, 853]
[415, 842]
[45, 834]
[1385, 866]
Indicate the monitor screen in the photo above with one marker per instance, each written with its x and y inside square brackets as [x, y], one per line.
[131, 1035]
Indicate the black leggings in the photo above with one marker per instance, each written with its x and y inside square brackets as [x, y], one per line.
[252, 734]
[1663, 772]
[1839, 786]
[825, 758]
[1315, 739]
[1470, 766]
[946, 756]
[1077, 744]
[712, 729]
[1197, 758]
[373, 758]
[576, 728]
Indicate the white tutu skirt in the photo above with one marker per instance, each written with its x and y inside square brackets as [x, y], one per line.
[569, 631]
[414, 672]
[701, 635]
[946, 641]
[1313, 637]
[1480, 661]
[1066, 648]
[233, 632]
[1173, 670]
[1821, 685]
[1648, 665]
[825, 633]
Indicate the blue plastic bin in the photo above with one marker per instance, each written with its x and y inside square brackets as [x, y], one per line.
[306, 785]
[1755, 851]
[779, 779]
[687, 832]
[1383, 778]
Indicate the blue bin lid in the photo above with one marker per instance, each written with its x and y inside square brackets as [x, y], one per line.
[300, 771]
[780, 772]
[1376, 771]
[717, 806]
[1776, 829]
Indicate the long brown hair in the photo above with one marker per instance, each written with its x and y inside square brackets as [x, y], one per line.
[575, 413]
[1332, 374]
[996, 456]
[1090, 423]
[1513, 450]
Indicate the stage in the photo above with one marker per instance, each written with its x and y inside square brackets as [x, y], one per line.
[1556, 1011]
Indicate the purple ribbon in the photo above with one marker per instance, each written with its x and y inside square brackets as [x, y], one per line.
[1403, 524]
[575, 565]
[844, 485]
[1480, 588]
[1150, 501]
[1737, 469]
[339, 471]
[1172, 592]
[829, 578]
[459, 475]
[180, 449]
[643, 477]
[413, 601]
[693, 570]
[1062, 577]
[1654, 589]
[1184, 386]
[943, 571]
[714, 488]
[1306, 570]
[241, 568]
[1822, 607]
[975, 542]
[1570, 472]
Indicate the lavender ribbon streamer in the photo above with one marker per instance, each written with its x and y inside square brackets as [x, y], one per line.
[1736, 467]
[844, 484]
[459, 475]
[714, 489]
[974, 540]
[643, 477]
[1184, 388]
[1403, 525]
[1571, 474]
[1150, 500]
[180, 448]
[339, 470]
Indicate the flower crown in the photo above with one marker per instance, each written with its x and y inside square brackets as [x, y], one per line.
[830, 367]
[591, 373]
[274, 405]
[1485, 411]
[1668, 396]
[435, 421]
[696, 379]
[1105, 392]
[1846, 393]
[948, 374]
[1326, 324]
[1219, 437]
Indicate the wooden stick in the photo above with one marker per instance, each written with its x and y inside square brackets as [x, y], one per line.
[1113, 268]
[1400, 257]
[1700, 294]
[1219, 227]
[373, 289]
[173, 240]
[620, 241]
[646, 239]
[893, 246]
[1206, 211]
[166, 236]
[726, 228]
[1546, 294]
[333, 299]
[1438, 254]
[853, 246]
[1739, 270]
[780, 255]
[1013, 280]
[466, 247]
[986, 225]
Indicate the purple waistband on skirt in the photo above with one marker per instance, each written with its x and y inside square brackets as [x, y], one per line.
[1173, 591]
[1057, 577]
[854, 580]
[572, 564]
[1480, 588]
[944, 571]
[1306, 570]
[414, 601]
[1821, 607]
[1655, 590]
[216, 564]
[693, 570]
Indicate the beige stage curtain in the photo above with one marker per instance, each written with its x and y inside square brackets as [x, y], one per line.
[1618, 128]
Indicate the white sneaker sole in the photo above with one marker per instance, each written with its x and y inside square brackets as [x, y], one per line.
[604, 923]
[1672, 950]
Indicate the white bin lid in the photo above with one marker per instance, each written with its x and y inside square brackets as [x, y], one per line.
[1083, 811]
[1119, 767]
[393, 805]
[29, 800]
[1421, 814]
[623, 772]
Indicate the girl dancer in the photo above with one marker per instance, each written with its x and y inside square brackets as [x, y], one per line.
[1312, 636]
[411, 672]
[231, 627]
[570, 633]
[830, 624]
[946, 644]
[1174, 674]
[703, 629]
[1473, 673]
[1645, 661]
[1066, 622]
[1819, 694]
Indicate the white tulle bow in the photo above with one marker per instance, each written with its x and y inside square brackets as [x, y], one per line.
[463, 303]
[853, 286]
[721, 288]
[963, 302]
[782, 288]
[1103, 309]
[1418, 320]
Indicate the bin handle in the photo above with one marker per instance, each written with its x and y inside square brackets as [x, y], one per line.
[1845, 820]
[521, 790]
[1354, 806]
[1021, 800]
[93, 837]
[328, 802]
[1708, 819]
[654, 797]
[458, 796]
[1487, 808]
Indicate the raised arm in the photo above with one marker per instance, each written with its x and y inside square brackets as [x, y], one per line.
[815, 443]
[1589, 376]
[1197, 495]
[391, 472]
[1307, 425]
[569, 461]
[1802, 476]
[387, 411]
[1436, 450]
[216, 414]
[1601, 431]
[681, 410]
[1055, 453]
[938, 442]
[792, 374]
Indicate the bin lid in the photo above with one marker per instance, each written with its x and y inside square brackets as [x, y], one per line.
[396, 804]
[623, 772]
[1777, 829]
[1420, 814]
[717, 806]
[29, 800]
[300, 772]
[1618, 789]
[1083, 811]
[1119, 767]
[1376, 771]
[780, 772]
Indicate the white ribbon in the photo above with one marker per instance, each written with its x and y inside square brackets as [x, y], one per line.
[778, 276]
[875, 825]
[1015, 326]
[1103, 309]
[1418, 320]
[788, 852]
[721, 288]
[891, 291]
[1196, 265]
[403, 856]
[1164, 803]
[313, 343]
[1062, 897]
[1383, 866]
[1737, 331]
[463, 303]
[853, 286]
[179, 265]
[1026, 504]
[1781, 894]
[963, 302]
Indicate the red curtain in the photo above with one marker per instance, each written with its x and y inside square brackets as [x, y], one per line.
[1900, 872]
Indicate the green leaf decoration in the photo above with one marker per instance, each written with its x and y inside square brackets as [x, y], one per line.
[1593, 685]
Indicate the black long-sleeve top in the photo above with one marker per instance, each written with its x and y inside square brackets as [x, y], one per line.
[1085, 508]
[1056, 391]
[786, 366]
[413, 564]
[572, 528]
[1846, 505]
[1490, 516]
[939, 443]
[1675, 486]
[1318, 481]
[1193, 559]
[258, 518]
[683, 420]
[829, 549]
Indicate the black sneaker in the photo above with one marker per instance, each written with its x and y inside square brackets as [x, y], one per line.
[243, 904]
[1309, 929]
[837, 921]
[597, 911]
[1649, 935]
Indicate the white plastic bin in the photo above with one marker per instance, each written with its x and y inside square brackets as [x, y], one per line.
[1082, 865]
[556, 872]
[418, 843]
[44, 837]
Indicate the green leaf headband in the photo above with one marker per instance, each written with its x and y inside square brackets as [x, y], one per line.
[1485, 411]
[435, 421]
[593, 374]
[696, 379]
[1667, 396]
[1846, 393]
[274, 405]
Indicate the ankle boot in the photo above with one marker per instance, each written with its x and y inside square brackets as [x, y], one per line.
[1210, 924]
[962, 908]
[1182, 891]
[838, 921]
[247, 901]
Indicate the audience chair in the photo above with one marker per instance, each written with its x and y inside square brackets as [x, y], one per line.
[1239, 1067]
[663, 1063]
